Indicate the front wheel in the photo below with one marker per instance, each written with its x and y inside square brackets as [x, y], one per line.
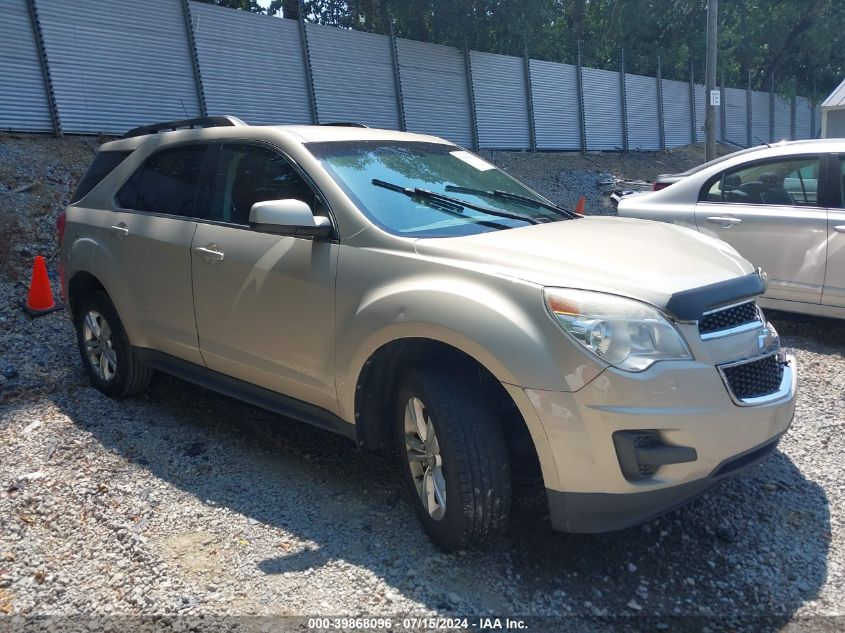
[107, 355]
[454, 459]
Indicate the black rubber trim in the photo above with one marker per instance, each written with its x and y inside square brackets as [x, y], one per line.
[596, 512]
[690, 305]
[241, 390]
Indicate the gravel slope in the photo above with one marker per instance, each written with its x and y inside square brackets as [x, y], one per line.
[186, 503]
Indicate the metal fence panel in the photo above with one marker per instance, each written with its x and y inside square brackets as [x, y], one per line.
[803, 127]
[783, 119]
[676, 112]
[501, 103]
[118, 65]
[23, 97]
[262, 82]
[736, 115]
[434, 90]
[554, 88]
[603, 109]
[353, 77]
[759, 117]
[643, 115]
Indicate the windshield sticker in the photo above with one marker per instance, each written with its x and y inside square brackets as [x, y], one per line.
[475, 161]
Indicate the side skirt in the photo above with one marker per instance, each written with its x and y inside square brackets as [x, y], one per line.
[247, 392]
[815, 309]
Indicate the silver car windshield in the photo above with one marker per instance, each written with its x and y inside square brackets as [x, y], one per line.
[363, 168]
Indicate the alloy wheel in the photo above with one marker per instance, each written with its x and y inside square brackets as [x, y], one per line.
[96, 334]
[422, 451]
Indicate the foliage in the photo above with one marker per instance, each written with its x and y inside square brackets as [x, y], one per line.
[798, 41]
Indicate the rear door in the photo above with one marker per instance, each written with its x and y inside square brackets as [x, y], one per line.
[264, 303]
[769, 211]
[153, 226]
[834, 282]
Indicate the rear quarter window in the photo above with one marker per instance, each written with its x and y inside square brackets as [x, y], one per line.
[104, 163]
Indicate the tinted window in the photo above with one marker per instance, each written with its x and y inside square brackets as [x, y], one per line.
[166, 182]
[104, 163]
[247, 174]
[842, 183]
[786, 182]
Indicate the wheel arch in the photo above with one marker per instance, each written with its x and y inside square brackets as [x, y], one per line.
[377, 386]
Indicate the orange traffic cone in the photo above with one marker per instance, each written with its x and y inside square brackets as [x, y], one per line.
[579, 208]
[40, 300]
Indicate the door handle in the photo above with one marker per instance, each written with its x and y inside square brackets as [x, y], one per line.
[726, 221]
[210, 253]
[119, 229]
[840, 228]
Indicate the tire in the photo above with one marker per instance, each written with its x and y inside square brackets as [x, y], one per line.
[474, 470]
[120, 373]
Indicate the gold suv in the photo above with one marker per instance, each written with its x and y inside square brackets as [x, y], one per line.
[406, 293]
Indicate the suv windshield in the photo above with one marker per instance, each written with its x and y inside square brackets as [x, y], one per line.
[394, 183]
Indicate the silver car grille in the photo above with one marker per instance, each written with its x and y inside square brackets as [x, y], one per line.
[732, 319]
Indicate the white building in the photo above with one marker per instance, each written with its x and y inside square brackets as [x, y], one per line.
[833, 114]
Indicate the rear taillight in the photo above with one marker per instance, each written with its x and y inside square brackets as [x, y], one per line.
[657, 186]
[61, 222]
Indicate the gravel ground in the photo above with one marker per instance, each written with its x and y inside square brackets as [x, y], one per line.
[186, 503]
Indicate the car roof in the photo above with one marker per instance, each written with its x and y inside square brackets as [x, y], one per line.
[296, 133]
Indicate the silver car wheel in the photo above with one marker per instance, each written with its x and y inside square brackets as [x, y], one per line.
[423, 453]
[96, 334]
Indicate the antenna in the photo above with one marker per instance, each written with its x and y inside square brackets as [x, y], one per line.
[762, 141]
[184, 108]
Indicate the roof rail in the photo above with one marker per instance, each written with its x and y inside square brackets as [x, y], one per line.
[208, 121]
[345, 124]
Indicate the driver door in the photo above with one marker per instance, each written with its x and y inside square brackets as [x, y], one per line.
[264, 302]
[769, 212]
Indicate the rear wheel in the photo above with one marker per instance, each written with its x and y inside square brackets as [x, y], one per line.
[107, 356]
[454, 459]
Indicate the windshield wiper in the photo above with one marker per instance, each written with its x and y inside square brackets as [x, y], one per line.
[514, 197]
[450, 204]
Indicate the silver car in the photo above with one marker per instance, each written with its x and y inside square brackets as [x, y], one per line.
[409, 295]
[780, 206]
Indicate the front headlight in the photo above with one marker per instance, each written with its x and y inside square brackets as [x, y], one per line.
[625, 333]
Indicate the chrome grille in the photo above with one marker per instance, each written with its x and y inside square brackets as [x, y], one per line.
[724, 320]
[754, 379]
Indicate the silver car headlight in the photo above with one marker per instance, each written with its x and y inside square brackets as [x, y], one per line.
[625, 333]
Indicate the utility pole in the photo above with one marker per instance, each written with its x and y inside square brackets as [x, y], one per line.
[712, 95]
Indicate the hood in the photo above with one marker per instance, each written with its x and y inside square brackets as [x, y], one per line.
[642, 259]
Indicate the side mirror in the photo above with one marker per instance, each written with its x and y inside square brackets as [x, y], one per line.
[288, 217]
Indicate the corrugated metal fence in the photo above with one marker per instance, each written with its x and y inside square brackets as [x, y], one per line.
[92, 66]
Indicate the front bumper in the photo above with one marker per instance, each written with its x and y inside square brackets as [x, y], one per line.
[685, 403]
[590, 512]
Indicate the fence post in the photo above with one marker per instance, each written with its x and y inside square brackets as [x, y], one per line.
[397, 78]
[579, 81]
[812, 119]
[471, 93]
[624, 98]
[529, 96]
[772, 108]
[661, 124]
[723, 109]
[748, 104]
[45, 67]
[306, 62]
[793, 108]
[692, 102]
[195, 59]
